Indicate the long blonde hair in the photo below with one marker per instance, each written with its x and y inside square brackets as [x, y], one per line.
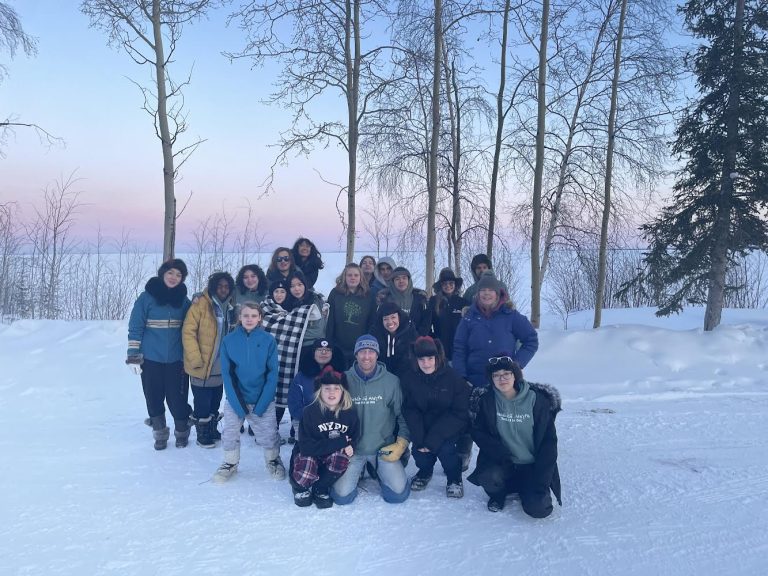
[341, 281]
[329, 377]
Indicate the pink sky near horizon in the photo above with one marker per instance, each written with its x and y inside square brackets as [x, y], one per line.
[77, 88]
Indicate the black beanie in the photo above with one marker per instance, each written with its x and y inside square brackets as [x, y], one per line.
[503, 362]
[176, 263]
[424, 346]
[279, 284]
[330, 376]
[387, 308]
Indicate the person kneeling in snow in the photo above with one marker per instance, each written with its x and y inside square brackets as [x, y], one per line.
[515, 430]
[384, 434]
[249, 370]
[329, 427]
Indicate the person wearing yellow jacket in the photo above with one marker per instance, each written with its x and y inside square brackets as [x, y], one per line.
[206, 323]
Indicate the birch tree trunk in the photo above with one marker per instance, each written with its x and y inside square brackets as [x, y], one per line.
[432, 190]
[603, 252]
[538, 177]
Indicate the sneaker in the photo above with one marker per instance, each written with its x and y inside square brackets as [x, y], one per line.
[495, 505]
[323, 499]
[420, 482]
[454, 490]
[303, 498]
[225, 472]
[276, 469]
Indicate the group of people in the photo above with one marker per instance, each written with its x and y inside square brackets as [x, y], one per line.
[375, 374]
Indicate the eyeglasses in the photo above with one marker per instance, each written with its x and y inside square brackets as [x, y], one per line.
[497, 359]
[502, 375]
[283, 259]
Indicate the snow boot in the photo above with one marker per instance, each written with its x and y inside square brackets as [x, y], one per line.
[203, 431]
[420, 482]
[160, 432]
[214, 429]
[275, 465]
[228, 467]
[302, 498]
[496, 504]
[455, 490]
[181, 430]
[322, 498]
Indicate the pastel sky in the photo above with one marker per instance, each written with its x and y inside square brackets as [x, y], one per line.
[78, 88]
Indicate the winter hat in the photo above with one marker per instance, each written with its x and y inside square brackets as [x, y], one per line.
[322, 343]
[176, 263]
[481, 259]
[388, 308]
[424, 346]
[503, 361]
[447, 275]
[400, 271]
[274, 285]
[366, 342]
[329, 376]
[488, 281]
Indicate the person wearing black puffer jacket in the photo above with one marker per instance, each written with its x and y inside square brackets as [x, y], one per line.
[514, 427]
[445, 308]
[395, 333]
[436, 408]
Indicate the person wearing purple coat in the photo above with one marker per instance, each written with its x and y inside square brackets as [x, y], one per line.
[491, 324]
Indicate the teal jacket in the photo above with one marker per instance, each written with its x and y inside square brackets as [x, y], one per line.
[249, 370]
[154, 328]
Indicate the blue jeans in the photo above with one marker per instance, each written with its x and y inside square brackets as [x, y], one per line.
[449, 460]
[393, 482]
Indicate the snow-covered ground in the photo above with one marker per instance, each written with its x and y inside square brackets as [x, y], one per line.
[663, 457]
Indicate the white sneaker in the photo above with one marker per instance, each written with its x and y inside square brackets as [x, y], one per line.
[225, 472]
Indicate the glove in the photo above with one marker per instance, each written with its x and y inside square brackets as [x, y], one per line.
[134, 362]
[393, 452]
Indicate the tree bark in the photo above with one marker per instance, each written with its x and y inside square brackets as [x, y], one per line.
[538, 177]
[499, 132]
[603, 252]
[432, 190]
[352, 58]
[169, 173]
[719, 252]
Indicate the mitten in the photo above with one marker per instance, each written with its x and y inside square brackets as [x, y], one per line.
[393, 452]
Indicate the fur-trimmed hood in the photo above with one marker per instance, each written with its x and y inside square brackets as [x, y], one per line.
[174, 297]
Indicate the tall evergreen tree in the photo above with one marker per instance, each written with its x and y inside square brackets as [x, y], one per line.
[721, 193]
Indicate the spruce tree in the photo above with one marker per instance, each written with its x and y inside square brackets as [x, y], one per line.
[720, 195]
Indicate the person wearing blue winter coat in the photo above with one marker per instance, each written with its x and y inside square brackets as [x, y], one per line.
[312, 361]
[491, 324]
[155, 351]
[249, 369]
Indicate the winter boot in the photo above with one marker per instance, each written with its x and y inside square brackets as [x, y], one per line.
[160, 432]
[496, 504]
[302, 498]
[322, 498]
[454, 489]
[214, 429]
[203, 431]
[420, 482]
[181, 430]
[228, 467]
[275, 465]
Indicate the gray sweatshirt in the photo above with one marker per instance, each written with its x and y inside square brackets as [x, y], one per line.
[378, 401]
[514, 420]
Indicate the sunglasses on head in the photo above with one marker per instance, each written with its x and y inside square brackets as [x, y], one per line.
[497, 359]
[283, 259]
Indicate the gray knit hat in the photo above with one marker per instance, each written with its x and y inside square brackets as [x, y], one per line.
[366, 341]
[488, 281]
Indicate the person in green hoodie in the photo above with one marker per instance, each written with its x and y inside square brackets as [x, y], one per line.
[384, 434]
[515, 430]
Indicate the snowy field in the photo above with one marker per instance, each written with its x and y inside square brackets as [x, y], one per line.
[663, 457]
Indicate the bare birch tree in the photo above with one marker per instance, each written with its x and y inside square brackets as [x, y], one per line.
[149, 32]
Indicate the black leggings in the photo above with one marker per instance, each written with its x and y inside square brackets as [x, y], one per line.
[166, 383]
